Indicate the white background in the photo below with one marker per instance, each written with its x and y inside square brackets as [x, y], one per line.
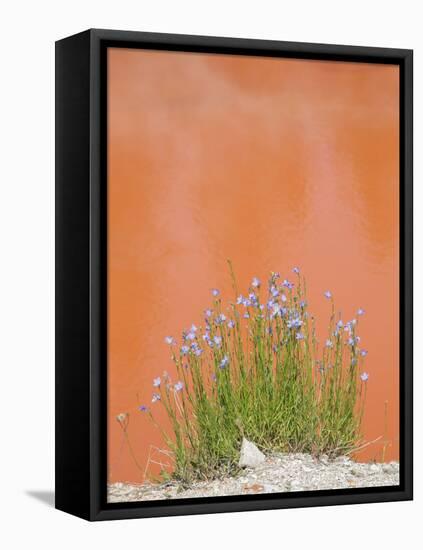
[28, 31]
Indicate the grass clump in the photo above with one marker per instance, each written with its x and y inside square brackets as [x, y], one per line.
[255, 369]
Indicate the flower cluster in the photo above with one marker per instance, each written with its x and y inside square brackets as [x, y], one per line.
[280, 308]
[250, 363]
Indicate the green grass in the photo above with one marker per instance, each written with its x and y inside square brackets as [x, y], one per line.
[265, 377]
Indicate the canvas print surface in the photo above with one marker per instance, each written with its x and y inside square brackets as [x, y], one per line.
[253, 275]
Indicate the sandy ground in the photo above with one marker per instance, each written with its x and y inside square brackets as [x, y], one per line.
[278, 474]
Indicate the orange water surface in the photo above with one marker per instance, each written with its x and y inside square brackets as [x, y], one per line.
[273, 163]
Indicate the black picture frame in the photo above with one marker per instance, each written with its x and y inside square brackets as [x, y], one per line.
[81, 256]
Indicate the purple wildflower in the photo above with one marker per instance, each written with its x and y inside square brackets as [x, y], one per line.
[303, 304]
[196, 349]
[353, 341]
[253, 298]
[361, 311]
[364, 376]
[220, 319]
[178, 386]
[294, 323]
[224, 362]
[287, 284]
[206, 338]
[156, 397]
[143, 408]
[231, 324]
[208, 312]
[217, 340]
[246, 315]
[296, 270]
[157, 382]
[215, 292]
[184, 350]
[299, 336]
[240, 299]
[363, 352]
[255, 282]
[329, 344]
[328, 294]
[276, 309]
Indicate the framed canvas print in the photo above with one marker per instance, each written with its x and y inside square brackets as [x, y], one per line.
[233, 274]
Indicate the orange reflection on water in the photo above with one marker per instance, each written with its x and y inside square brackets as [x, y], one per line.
[272, 163]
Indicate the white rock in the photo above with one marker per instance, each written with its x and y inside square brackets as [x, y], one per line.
[250, 456]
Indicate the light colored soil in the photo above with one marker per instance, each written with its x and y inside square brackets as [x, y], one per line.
[278, 474]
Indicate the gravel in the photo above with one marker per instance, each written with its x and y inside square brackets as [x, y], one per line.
[280, 473]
